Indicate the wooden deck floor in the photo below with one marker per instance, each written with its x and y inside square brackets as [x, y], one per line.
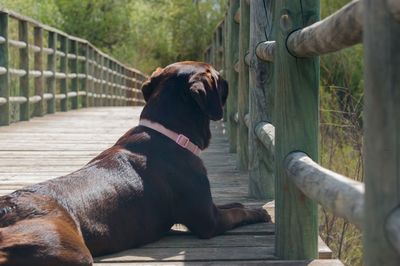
[57, 144]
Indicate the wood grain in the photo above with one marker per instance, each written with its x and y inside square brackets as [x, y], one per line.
[253, 244]
[4, 79]
[296, 129]
[381, 130]
[232, 55]
[261, 103]
[243, 88]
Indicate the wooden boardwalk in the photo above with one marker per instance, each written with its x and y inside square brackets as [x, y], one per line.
[54, 145]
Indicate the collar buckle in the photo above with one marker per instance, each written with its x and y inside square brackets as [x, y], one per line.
[182, 140]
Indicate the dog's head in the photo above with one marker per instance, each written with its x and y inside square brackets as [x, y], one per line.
[190, 84]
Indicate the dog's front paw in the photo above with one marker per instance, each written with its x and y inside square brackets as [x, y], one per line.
[262, 215]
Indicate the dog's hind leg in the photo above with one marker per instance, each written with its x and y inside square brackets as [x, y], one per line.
[49, 241]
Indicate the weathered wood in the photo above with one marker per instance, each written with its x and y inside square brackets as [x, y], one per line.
[92, 72]
[24, 91]
[232, 57]
[51, 66]
[265, 50]
[73, 68]
[329, 35]
[392, 229]
[339, 194]
[394, 8]
[63, 142]
[64, 69]
[230, 262]
[296, 129]
[84, 83]
[38, 109]
[4, 78]
[261, 103]
[243, 87]
[381, 130]
[191, 254]
[266, 134]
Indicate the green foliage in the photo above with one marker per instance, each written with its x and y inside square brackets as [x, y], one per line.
[45, 11]
[140, 33]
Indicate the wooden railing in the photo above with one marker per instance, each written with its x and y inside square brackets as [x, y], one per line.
[67, 72]
[280, 102]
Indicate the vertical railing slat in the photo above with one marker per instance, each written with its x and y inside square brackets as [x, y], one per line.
[73, 68]
[85, 70]
[38, 109]
[243, 88]
[24, 65]
[232, 56]
[297, 127]
[381, 131]
[261, 103]
[4, 78]
[64, 69]
[52, 66]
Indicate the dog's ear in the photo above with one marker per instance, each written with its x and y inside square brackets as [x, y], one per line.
[209, 94]
[150, 84]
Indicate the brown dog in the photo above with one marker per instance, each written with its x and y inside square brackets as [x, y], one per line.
[132, 193]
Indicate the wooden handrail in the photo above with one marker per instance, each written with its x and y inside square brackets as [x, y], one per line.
[339, 194]
[82, 65]
[329, 35]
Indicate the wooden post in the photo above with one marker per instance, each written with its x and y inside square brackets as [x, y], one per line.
[261, 103]
[103, 84]
[64, 69]
[220, 47]
[214, 50]
[4, 78]
[297, 125]
[381, 129]
[91, 70]
[24, 65]
[85, 70]
[100, 76]
[226, 60]
[232, 57]
[243, 90]
[51, 66]
[73, 68]
[38, 65]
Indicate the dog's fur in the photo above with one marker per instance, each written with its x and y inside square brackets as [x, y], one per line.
[133, 192]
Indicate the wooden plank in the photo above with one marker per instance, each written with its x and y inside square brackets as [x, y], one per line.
[296, 127]
[243, 87]
[24, 65]
[229, 262]
[38, 108]
[190, 241]
[191, 254]
[232, 56]
[261, 103]
[4, 79]
[248, 243]
[381, 130]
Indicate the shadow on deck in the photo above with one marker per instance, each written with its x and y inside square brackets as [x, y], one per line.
[54, 145]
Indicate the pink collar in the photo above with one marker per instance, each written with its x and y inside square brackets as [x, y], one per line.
[180, 139]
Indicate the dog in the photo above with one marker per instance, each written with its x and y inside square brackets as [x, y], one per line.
[134, 192]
